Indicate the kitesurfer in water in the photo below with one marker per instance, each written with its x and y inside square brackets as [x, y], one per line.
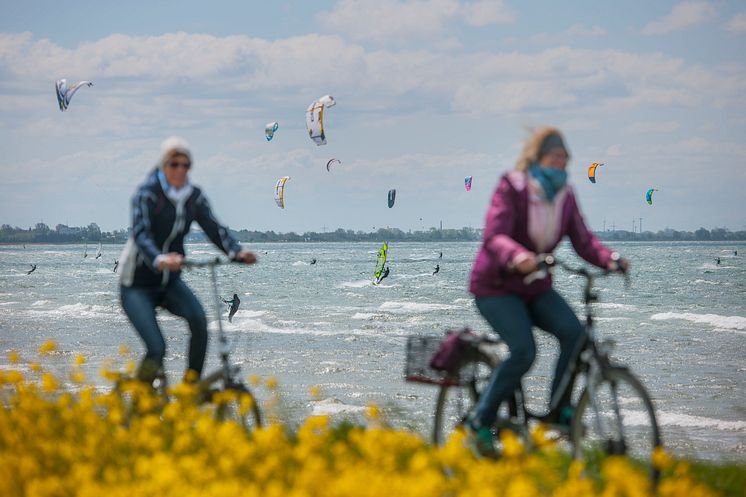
[521, 223]
[313, 261]
[163, 209]
[234, 302]
[116, 265]
[717, 261]
[440, 256]
[33, 268]
[437, 269]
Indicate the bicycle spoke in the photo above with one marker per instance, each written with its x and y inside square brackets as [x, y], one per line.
[617, 418]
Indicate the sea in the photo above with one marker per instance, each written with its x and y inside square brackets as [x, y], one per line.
[680, 326]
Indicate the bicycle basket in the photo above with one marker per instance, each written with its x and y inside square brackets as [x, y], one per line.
[420, 351]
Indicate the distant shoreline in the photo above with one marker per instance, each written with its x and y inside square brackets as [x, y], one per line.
[92, 234]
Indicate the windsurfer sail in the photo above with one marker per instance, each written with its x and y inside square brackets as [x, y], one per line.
[383, 253]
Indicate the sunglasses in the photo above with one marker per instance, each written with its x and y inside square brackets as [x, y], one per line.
[185, 165]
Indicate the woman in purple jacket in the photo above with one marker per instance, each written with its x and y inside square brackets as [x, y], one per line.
[531, 211]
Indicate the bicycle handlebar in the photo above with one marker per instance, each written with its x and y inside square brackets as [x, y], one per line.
[547, 262]
[217, 261]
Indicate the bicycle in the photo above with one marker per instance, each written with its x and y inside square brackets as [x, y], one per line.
[222, 389]
[612, 415]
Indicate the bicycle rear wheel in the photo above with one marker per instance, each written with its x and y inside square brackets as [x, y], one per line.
[618, 418]
[236, 402]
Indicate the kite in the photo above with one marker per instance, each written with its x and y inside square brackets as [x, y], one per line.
[280, 192]
[65, 94]
[592, 171]
[315, 118]
[467, 183]
[649, 195]
[269, 130]
[329, 164]
[392, 198]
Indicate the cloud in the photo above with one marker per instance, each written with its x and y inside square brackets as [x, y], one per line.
[682, 16]
[486, 12]
[583, 30]
[737, 25]
[395, 21]
[648, 127]
[385, 21]
[243, 82]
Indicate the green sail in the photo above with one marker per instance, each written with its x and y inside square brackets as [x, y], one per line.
[381, 262]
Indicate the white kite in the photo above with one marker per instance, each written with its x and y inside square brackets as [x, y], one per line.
[65, 94]
[315, 118]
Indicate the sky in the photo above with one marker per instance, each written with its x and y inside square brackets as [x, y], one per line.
[427, 91]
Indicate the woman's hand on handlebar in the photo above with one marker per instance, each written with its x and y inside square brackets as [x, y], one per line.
[171, 261]
[618, 264]
[527, 264]
[246, 257]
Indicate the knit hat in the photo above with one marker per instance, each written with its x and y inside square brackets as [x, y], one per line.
[551, 142]
[173, 145]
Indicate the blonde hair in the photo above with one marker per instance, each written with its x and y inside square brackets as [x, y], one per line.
[532, 148]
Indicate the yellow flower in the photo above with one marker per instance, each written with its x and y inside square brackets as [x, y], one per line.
[315, 392]
[123, 349]
[35, 367]
[48, 347]
[13, 357]
[79, 360]
[48, 382]
[272, 383]
[661, 459]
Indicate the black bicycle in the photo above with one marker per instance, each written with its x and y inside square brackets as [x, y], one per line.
[612, 411]
[221, 390]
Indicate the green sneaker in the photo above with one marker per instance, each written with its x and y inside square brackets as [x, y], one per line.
[480, 441]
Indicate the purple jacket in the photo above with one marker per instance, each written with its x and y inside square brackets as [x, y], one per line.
[506, 236]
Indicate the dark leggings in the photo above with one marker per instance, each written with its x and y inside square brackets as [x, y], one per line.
[139, 304]
[512, 318]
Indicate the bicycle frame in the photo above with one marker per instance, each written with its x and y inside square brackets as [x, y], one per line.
[227, 371]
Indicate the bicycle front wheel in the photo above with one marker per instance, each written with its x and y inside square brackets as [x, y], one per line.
[616, 417]
[236, 402]
[455, 402]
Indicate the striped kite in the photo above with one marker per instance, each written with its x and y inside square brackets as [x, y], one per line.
[592, 171]
[280, 191]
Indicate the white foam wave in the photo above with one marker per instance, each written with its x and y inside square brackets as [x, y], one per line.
[687, 420]
[706, 282]
[613, 305]
[39, 303]
[363, 315]
[300, 263]
[328, 407]
[715, 320]
[81, 310]
[355, 284]
[413, 307]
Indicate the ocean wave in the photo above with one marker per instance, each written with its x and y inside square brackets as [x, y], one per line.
[613, 305]
[715, 320]
[330, 406]
[413, 307]
[363, 315]
[355, 284]
[690, 421]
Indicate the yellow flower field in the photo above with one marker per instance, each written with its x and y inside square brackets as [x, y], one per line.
[80, 442]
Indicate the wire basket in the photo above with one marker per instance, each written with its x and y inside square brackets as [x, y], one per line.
[420, 350]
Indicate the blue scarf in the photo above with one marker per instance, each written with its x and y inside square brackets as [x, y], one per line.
[551, 180]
